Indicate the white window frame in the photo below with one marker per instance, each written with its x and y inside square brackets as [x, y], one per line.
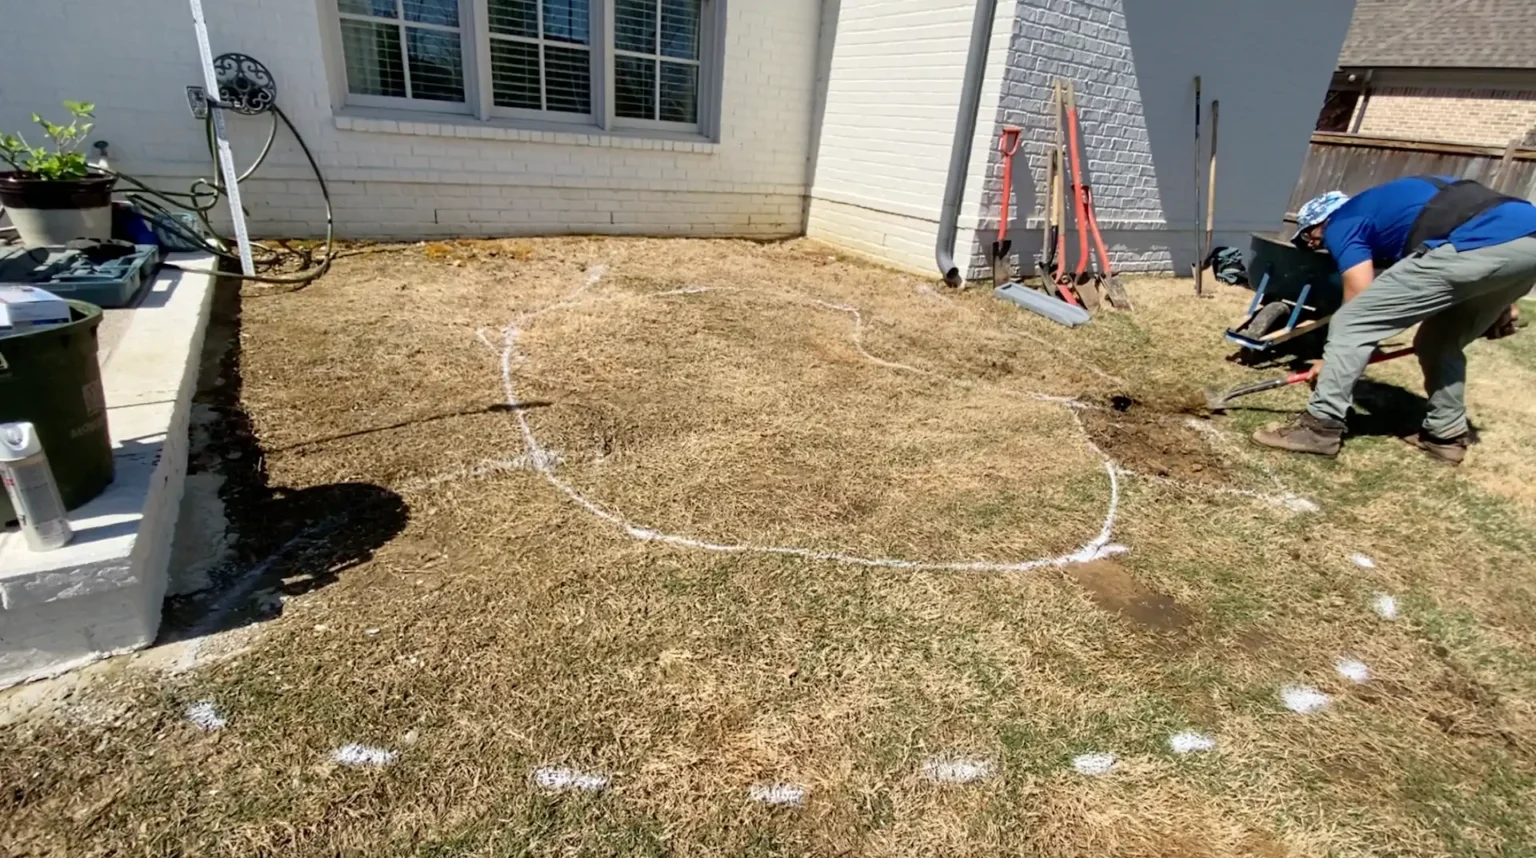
[475, 38]
[466, 52]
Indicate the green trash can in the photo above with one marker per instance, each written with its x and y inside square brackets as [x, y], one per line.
[49, 378]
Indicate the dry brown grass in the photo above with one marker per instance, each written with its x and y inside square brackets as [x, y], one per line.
[516, 629]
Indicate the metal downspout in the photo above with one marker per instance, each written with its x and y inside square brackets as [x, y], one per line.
[965, 131]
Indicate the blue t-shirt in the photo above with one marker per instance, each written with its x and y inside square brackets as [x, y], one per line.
[1375, 223]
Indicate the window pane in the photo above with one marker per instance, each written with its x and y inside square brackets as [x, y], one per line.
[445, 12]
[515, 17]
[515, 74]
[437, 65]
[634, 25]
[634, 88]
[373, 58]
[568, 79]
[566, 20]
[679, 92]
[679, 30]
[376, 8]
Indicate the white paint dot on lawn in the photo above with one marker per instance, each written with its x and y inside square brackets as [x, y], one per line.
[1352, 669]
[560, 779]
[1094, 765]
[777, 795]
[1362, 561]
[370, 632]
[1385, 606]
[956, 770]
[1304, 699]
[205, 716]
[1190, 742]
[363, 755]
[1297, 503]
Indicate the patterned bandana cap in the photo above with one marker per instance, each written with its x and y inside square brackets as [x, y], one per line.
[1318, 209]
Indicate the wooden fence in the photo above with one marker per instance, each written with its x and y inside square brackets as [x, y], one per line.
[1352, 163]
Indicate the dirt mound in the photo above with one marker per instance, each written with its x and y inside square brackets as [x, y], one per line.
[1154, 442]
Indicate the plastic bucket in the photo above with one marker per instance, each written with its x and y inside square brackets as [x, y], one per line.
[50, 378]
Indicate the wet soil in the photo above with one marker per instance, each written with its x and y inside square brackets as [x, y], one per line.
[1113, 588]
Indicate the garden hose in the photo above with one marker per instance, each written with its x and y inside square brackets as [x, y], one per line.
[204, 195]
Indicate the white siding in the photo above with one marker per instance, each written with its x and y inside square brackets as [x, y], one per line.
[897, 67]
[135, 57]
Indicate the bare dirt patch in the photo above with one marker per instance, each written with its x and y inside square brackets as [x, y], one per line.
[1113, 588]
[1156, 443]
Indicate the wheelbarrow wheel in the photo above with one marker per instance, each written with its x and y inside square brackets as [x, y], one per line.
[1269, 318]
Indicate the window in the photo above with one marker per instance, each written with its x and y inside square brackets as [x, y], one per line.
[610, 63]
[403, 49]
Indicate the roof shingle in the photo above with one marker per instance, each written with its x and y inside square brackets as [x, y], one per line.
[1442, 34]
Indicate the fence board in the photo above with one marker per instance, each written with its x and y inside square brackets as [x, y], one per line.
[1352, 163]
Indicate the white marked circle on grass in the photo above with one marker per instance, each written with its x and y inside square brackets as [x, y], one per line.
[1304, 699]
[1362, 561]
[205, 716]
[1385, 606]
[1353, 670]
[1191, 742]
[1095, 549]
[363, 755]
[777, 795]
[1094, 765]
[956, 770]
[561, 779]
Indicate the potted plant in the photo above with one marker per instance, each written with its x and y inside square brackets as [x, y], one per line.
[50, 193]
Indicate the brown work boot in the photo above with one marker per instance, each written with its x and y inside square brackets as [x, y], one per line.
[1450, 451]
[1305, 434]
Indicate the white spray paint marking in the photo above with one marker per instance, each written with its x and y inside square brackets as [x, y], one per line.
[595, 273]
[777, 795]
[1191, 742]
[559, 779]
[1094, 765]
[1353, 670]
[1385, 606]
[205, 716]
[1362, 561]
[1303, 699]
[1287, 501]
[541, 459]
[370, 632]
[956, 770]
[362, 755]
[1098, 547]
[232, 598]
[485, 468]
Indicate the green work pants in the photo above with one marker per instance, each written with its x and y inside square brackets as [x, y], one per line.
[1456, 295]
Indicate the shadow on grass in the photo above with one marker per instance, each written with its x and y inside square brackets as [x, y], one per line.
[287, 541]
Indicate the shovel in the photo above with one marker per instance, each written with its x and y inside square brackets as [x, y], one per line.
[1002, 270]
[1219, 402]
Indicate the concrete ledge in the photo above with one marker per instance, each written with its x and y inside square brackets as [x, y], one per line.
[101, 594]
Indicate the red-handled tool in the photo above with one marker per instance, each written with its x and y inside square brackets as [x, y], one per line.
[1002, 270]
[1219, 401]
[1075, 281]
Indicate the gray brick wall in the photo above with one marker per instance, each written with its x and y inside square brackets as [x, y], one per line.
[1085, 41]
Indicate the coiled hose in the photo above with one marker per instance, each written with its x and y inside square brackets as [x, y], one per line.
[204, 196]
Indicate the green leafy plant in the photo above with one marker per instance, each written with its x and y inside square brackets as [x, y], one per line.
[62, 160]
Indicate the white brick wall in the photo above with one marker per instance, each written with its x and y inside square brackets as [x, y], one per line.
[897, 68]
[433, 176]
[1134, 64]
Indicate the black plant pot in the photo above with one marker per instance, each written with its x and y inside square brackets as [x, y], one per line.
[51, 212]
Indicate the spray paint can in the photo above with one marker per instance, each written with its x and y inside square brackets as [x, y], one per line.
[34, 493]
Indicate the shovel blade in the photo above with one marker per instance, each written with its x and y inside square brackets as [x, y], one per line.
[1115, 291]
[1002, 271]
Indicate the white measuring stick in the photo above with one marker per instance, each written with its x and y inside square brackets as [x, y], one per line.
[226, 155]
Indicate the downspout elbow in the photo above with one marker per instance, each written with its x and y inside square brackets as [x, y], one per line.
[965, 132]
